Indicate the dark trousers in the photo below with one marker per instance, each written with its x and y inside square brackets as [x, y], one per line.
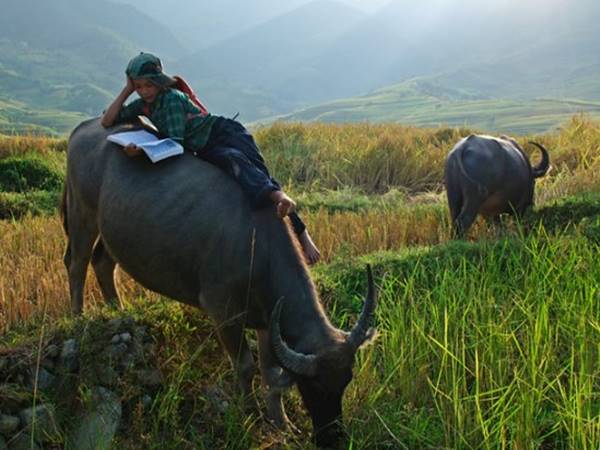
[233, 149]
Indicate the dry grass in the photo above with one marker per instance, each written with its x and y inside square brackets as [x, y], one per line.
[370, 158]
[32, 275]
[18, 145]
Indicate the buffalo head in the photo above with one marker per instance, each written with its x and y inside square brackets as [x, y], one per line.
[322, 376]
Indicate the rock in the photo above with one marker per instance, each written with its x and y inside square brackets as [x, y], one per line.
[96, 427]
[40, 421]
[137, 352]
[69, 355]
[115, 339]
[52, 351]
[216, 398]
[114, 325]
[45, 380]
[8, 424]
[47, 363]
[149, 348]
[128, 362]
[146, 401]
[107, 375]
[140, 331]
[114, 352]
[13, 398]
[125, 337]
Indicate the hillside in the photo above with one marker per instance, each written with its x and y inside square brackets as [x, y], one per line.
[307, 54]
[73, 62]
[273, 59]
[426, 102]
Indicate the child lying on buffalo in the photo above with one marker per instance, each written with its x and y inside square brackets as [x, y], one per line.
[218, 140]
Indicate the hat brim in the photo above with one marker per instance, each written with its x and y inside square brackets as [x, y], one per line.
[163, 80]
[160, 79]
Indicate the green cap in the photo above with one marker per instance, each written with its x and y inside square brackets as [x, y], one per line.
[146, 65]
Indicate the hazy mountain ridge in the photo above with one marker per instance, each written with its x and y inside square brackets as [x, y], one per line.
[70, 55]
[280, 66]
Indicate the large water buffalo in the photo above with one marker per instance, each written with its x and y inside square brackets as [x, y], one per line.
[184, 229]
[490, 176]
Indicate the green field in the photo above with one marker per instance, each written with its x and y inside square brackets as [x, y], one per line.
[424, 103]
[487, 343]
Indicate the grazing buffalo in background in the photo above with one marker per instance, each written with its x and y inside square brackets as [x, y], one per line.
[184, 229]
[491, 176]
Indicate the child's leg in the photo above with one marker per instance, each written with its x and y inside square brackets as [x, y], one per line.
[311, 252]
[234, 146]
[254, 182]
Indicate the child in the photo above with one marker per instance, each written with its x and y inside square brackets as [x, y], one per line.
[218, 140]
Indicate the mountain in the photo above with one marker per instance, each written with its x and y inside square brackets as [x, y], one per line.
[267, 58]
[201, 24]
[70, 55]
[495, 49]
[274, 58]
[500, 66]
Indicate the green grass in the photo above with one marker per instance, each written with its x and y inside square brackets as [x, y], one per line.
[17, 118]
[490, 345]
[30, 183]
[480, 345]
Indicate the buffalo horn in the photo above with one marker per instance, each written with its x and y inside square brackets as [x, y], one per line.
[289, 359]
[542, 168]
[359, 332]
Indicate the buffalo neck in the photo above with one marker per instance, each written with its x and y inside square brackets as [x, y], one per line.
[303, 320]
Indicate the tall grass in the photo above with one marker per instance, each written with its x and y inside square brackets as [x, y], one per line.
[33, 277]
[376, 157]
[497, 351]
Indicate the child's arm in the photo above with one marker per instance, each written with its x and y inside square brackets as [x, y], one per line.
[112, 111]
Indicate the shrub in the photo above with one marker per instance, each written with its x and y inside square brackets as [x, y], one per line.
[28, 173]
[14, 205]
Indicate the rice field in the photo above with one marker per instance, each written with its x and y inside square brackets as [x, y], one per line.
[488, 343]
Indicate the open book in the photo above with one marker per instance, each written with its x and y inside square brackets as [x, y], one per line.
[156, 149]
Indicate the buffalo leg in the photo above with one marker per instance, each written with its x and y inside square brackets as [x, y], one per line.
[233, 339]
[214, 301]
[104, 268]
[275, 381]
[82, 234]
[467, 216]
[454, 204]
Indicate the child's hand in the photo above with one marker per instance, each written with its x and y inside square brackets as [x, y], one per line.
[285, 204]
[132, 150]
[129, 87]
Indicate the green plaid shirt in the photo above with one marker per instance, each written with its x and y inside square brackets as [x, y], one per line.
[175, 116]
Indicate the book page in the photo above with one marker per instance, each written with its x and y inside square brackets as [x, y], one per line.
[137, 137]
[162, 149]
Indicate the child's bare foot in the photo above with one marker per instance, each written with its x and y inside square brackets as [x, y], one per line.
[311, 252]
[285, 204]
